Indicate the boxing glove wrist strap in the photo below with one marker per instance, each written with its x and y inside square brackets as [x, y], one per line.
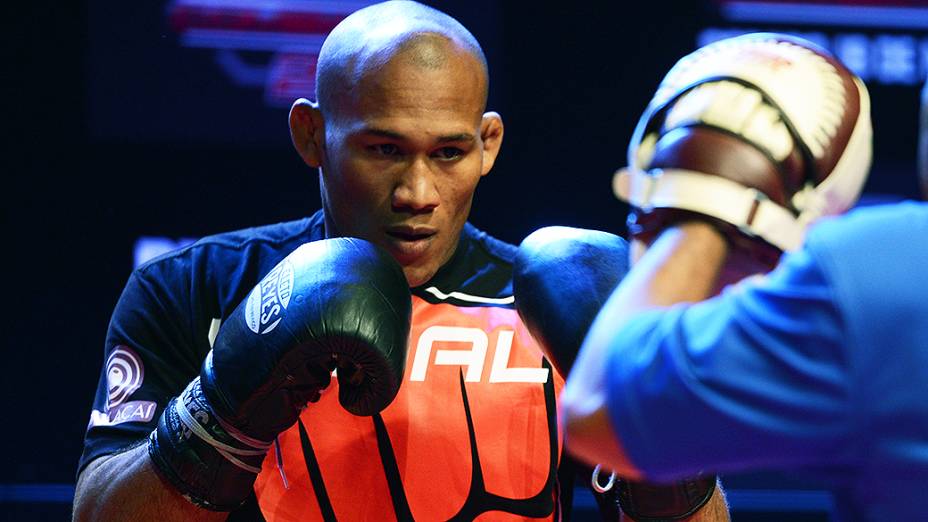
[209, 462]
[645, 502]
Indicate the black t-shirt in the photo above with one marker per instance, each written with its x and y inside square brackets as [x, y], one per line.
[171, 309]
[160, 333]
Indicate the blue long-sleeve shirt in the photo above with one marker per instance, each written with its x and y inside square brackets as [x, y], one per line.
[820, 366]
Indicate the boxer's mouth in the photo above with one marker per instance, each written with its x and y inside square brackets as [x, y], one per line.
[411, 233]
[408, 243]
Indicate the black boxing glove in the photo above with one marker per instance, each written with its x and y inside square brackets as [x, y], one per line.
[337, 303]
[644, 502]
[562, 276]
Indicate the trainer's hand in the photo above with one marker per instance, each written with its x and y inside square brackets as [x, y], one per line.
[561, 278]
[337, 303]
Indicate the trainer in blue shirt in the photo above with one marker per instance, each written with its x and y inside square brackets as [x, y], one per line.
[820, 365]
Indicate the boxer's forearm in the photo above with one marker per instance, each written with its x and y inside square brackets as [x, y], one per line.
[126, 487]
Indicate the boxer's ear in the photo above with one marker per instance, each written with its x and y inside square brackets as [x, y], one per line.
[307, 131]
[491, 134]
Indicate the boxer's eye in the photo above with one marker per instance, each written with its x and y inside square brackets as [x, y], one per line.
[448, 153]
[384, 149]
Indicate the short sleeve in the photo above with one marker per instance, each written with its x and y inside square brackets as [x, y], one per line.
[150, 354]
[756, 377]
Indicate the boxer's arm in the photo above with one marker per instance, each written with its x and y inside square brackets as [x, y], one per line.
[209, 443]
[125, 486]
[143, 343]
[562, 277]
[683, 264]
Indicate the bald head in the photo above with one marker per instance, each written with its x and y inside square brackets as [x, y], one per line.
[398, 31]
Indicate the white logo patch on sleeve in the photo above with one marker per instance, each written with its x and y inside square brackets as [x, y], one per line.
[124, 375]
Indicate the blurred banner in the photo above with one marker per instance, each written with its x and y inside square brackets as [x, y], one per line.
[883, 42]
[285, 35]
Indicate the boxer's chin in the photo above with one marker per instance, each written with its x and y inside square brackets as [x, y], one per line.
[422, 259]
[418, 274]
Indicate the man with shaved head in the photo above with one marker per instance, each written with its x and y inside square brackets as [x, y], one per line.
[211, 405]
[401, 92]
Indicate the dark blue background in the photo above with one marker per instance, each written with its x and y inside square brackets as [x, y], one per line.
[116, 131]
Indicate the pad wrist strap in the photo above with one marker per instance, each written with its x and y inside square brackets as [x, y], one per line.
[747, 209]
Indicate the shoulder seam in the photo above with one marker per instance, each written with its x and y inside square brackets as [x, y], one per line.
[216, 240]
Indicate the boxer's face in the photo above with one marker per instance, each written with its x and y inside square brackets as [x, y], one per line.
[403, 153]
